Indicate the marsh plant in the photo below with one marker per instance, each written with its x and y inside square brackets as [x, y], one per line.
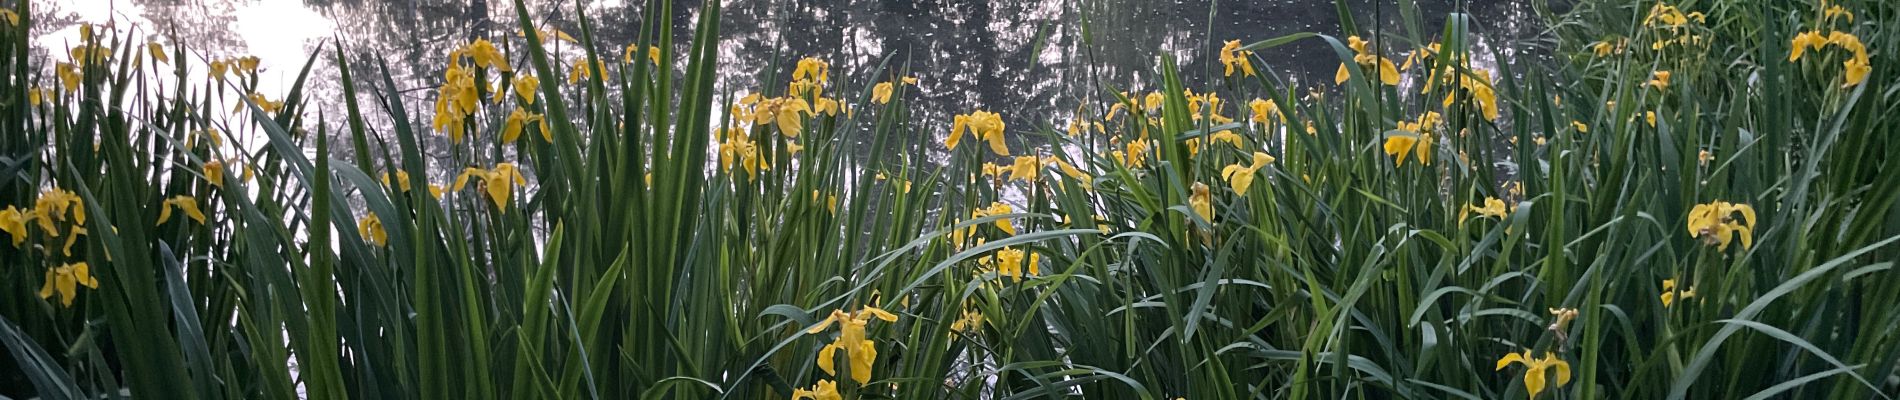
[1688, 199]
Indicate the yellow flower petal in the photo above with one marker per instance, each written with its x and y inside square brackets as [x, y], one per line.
[827, 359]
[1399, 146]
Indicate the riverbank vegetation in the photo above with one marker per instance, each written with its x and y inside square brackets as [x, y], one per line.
[1689, 199]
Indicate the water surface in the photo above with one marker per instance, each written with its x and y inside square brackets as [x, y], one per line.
[1029, 60]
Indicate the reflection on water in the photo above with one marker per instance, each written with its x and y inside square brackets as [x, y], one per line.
[1026, 59]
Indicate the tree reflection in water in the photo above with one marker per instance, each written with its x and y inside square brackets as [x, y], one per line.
[1026, 59]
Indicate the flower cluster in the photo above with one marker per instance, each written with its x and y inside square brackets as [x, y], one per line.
[1674, 27]
[1854, 70]
[787, 112]
[461, 88]
[738, 147]
[55, 208]
[245, 66]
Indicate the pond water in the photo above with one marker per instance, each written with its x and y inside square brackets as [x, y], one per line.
[1028, 60]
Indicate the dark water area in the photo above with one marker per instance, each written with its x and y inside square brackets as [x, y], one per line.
[1031, 61]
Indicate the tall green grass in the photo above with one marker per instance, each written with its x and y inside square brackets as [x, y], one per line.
[1117, 260]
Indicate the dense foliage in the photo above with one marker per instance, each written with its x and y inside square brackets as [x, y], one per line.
[1693, 199]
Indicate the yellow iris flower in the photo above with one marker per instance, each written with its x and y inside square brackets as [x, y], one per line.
[545, 34]
[1009, 262]
[1854, 70]
[787, 112]
[1264, 111]
[90, 54]
[1425, 124]
[1606, 48]
[1136, 155]
[739, 148]
[580, 70]
[1659, 80]
[1804, 41]
[499, 182]
[371, 228]
[984, 125]
[1836, 11]
[72, 237]
[1715, 224]
[1478, 86]
[13, 222]
[455, 101]
[1535, 372]
[1088, 182]
[1368, 61]
[994, 171]
[825, 389]
[37, 95]
[214, 172]
[53, 205]
[881, 94]
[518, 120]
[1154, 100]
[970, 322]
[653, 54]
[996, 208]
[1401, 146]
[66, 280]
[1241, 177]
[1028, 168]
[851, 339]
[1561, 317]
[158, 52]
[812, 69]
[69, 76]
[212, 135]
[1493, 208]
[1232, 56]
[826, 105]
[486, 55]
[263, 103]
[1202, 202]
[183, 203]
[527, 86]
[1212, 101]
[1670, 294]
[1664, 15]
[402, 183]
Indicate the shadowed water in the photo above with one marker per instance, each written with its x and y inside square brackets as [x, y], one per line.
[1031, 61]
